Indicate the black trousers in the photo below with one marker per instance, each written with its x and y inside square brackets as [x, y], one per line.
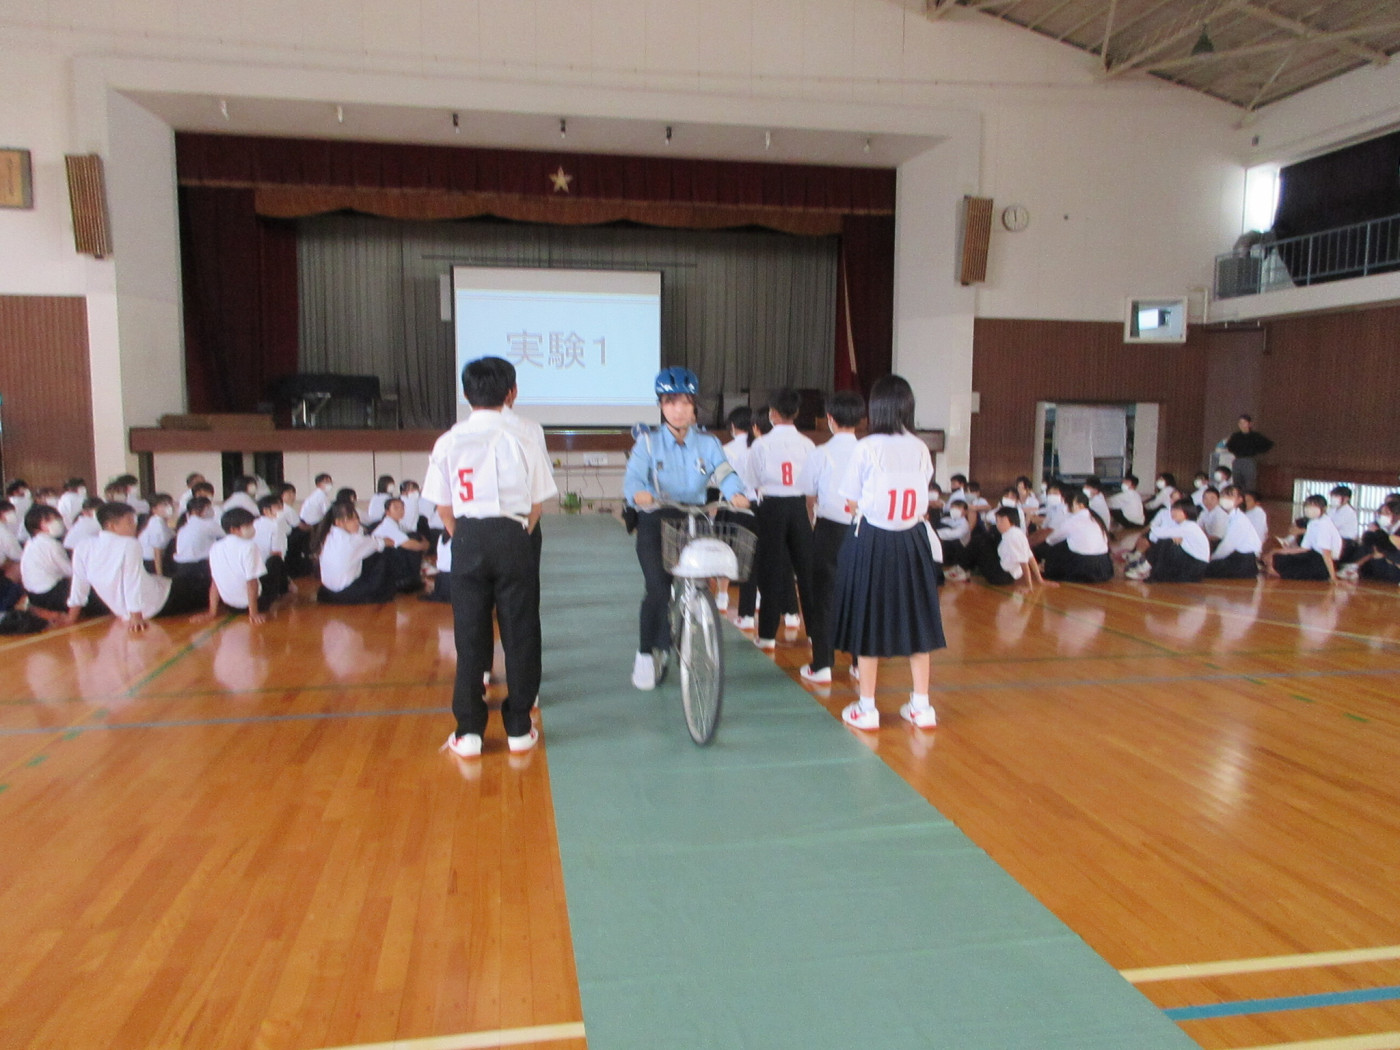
[495, 568]
[274, 581]
[783, 527]
[1061, 563]
[374, 585]
[189, 593]
[990, 566]
[405, 568]
[827, 537]
[654, 627]
[298, 552]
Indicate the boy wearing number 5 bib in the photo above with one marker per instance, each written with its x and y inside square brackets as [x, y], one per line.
[488, 486]
[886, 584]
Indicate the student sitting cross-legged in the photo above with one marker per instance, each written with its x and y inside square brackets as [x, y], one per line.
[110, 565]
[236, 569]
[403, 552]
[1182, 552]
[354, 570]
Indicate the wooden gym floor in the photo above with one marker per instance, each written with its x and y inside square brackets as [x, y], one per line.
[226, 836]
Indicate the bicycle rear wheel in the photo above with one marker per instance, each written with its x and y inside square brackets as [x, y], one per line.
[701, 652]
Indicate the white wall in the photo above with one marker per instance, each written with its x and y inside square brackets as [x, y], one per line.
[1146, 173]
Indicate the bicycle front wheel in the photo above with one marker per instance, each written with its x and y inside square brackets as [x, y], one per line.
[701, 651]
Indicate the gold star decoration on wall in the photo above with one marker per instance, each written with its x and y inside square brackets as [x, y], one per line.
[561, 180]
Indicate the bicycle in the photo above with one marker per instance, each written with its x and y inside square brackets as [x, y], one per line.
[693, 551]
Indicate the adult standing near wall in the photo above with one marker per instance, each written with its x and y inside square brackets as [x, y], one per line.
[1246, 444]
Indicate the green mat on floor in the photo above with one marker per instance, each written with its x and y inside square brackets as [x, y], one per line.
[783, 887]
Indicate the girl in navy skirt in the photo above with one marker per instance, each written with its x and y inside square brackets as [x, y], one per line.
[886, 600]
[1316, 557]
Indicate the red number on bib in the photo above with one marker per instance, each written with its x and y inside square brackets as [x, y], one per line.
[907, 504]
[787, 473]
[464, 485]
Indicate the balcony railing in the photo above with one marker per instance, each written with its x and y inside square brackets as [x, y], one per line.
[1358, 250]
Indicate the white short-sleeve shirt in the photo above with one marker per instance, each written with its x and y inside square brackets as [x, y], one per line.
[389, 529]
[155, 536]
[482, 469]
[111, 565]
[343, 555]
[888, 478]
[777, 461]
[234, 561]
[44, 564]
[823, 474]
[1014, 551]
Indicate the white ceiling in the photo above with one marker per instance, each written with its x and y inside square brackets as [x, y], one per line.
[285, 118]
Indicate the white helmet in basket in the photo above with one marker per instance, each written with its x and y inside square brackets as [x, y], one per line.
[706, 556]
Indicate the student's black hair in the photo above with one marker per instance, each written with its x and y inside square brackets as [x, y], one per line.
[1169, 478]
[846, 407]
[1187, 507]
[1341, 490]
[285, 488]
[1226, 490]
[73, 484]
[1078, 499]
[958, 477]
[339, 512]
[1011, 514]
[235, 519]
[6, 505]
[786, 402]
[1246, 417]
[1023, 480]
[126, 480]
[1131, 477]
[390, 502]
[891, 405]
[157, 498]
[266, 503]
[1209, 490]
[741, 418]
[1093, 482]
[1254, 495]
[191, 478]
[1200, 474]
[202, 487]
[488, 381]
[406, 482]
[322, 477]
[761, 421]
[93, 502]
[113, 512]
[973, 486]
[346, 495]
[193, 509]
[111, 490]
[1226, 471]
[1320, 502]
[37, 516]
[16, 486]
[382, 485]
[240, 484]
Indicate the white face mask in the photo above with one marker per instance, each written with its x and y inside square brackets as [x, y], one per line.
[1226, 503]
[1200, 484]
[1336, 501]
[392, 490]
[1128, 486]
[1220, 479]
[1384, 521]
[327, 488]
[956, 510]
[9, 517]
[1055, 499]
[82, 491]
[1087, 491]
[1312, 512]
[1161, 484]
[1007, 501]
[22, 499]
[55, 528]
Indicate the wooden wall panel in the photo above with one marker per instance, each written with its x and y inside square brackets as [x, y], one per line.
[45, 380]
[1017, 363]
[1331, 396]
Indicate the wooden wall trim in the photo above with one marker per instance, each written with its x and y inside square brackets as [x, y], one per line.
[46, 383]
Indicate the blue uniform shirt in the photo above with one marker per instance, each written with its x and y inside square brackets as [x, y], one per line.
[669, 470]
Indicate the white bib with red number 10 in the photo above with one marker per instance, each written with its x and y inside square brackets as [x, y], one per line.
[897, 499]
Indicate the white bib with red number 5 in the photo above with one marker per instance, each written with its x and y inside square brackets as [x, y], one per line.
[476, 491]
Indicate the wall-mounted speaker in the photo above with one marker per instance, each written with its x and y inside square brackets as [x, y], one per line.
[974, 238]
[87, 196]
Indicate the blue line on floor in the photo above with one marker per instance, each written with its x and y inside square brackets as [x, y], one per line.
[255, 720]
[1290, 1002]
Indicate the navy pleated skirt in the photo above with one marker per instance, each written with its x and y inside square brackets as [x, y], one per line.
[886, 600]
[1303, 565]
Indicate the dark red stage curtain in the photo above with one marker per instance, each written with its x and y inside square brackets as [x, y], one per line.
[240, 299]
[865, 302]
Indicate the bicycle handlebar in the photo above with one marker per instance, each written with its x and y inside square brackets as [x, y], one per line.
[697, 509]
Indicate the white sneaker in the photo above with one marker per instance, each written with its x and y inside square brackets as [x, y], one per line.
[486, 678]
[792, 620]
[923, 718]
[822, 677]
[766, 643]
[857, 718]
[524, 743]
[644, 671]
[468, 745]
[956, 573]
[1138, 572]
[855, 672]
[745, 623]
[1351, 571]
[722, 601]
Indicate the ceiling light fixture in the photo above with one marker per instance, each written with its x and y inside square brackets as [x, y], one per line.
[767, 140]
[668, 134]
[223, 107]
[340, 114]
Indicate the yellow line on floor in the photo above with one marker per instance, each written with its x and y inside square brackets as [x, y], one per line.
[49, 632]
[1376, 1041]
[545, 1033]
[1261, 965]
